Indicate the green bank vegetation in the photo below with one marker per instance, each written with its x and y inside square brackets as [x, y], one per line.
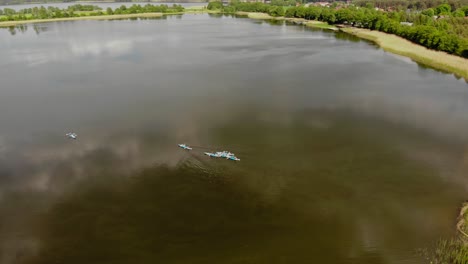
[455, 250]
[90, 17]
[462, 224]
[448, 251]
[440, 28]
[20, 2]
[40, 14]
[320, 24]
[410, 4]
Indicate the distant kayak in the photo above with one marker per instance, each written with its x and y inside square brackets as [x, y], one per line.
[184, 147]
[71, 135]
[213, 155]
[222, 154]
[233, 158]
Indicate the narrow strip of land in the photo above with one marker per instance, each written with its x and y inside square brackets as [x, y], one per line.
[103, 17]
[309, 23]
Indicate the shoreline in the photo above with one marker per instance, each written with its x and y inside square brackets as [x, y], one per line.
[435, 59]
[299, 21]
[462, 224]
[103, 17]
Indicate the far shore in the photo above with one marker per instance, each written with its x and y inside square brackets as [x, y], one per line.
[103, 17]
[309, 23]
[435, 59]
[107, 2]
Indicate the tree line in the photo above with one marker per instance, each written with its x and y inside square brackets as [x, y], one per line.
[8, 14]
[410, 4]
[440, 28]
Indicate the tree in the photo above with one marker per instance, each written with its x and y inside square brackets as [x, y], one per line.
[344, 15]
[109, 11]
[215, 5]
[458, 13]
[465, 9]
[370, 6]
[443, 9]
[328, 16]
[9, 12]
[429, 12]
[276, 11]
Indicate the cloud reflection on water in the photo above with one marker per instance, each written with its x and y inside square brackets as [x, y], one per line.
[215, 84]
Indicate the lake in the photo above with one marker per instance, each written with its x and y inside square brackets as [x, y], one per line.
[348, 154]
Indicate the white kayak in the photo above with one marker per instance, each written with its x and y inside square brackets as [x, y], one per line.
[184, 146]
[72, 135]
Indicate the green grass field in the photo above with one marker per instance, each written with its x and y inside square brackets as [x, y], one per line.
[319, 24]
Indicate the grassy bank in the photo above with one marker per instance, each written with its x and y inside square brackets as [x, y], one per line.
[455, 250]
[435, 59]
[309, 23]
[104, 17]
[462, 224]
[319, 24]
[255, 15]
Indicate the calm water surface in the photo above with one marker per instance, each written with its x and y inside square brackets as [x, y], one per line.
[348, 154]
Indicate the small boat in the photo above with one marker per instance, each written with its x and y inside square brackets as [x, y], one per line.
[222, 154]
[184, 146]
[233, 158]
[72, 135]
[225, 154]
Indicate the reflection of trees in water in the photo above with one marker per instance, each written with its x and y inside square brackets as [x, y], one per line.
[346, 36]
[39, 27]
[274, 22]
[12, 30]
[23, 28]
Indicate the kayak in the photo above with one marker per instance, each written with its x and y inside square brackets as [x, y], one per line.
[184, 146]
[71, 135]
